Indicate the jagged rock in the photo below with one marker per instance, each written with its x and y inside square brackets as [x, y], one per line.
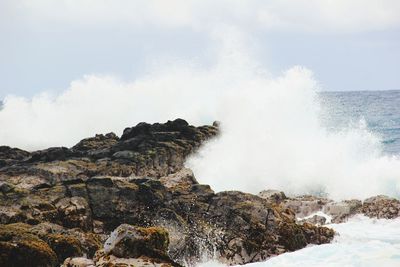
[381, 207]
[128, 241]
[75, 197]
[41, 245]
[51, 154]
[20, 248]
[75, 213]
[8, 153]
[257, 230]
[97, 143]
[132, 242]
[9, 156]
[182, 178]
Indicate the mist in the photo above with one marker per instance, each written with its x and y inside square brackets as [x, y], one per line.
[271, 134]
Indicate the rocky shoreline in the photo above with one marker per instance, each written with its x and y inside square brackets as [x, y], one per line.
[129, 201]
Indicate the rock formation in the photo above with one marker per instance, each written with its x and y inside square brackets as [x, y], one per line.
[59, 205]
[306, 208]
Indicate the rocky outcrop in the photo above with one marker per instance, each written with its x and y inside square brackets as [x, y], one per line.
[273, 196]
[381, 207]
[43, 244]
[304, 206]
[70, 199]
[310, 208]
[136, 244]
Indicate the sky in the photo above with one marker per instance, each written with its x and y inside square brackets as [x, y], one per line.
[45, 45]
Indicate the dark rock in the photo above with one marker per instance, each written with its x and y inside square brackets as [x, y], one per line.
[24, 245]
[99, 142]
[9, 156]
[132, 242]
[51, 154]
[75, 197]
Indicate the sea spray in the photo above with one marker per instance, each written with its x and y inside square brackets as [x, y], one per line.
[271, 134]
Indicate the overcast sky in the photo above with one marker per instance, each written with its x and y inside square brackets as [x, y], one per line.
[44, 44]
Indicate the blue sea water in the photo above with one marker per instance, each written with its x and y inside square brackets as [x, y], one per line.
[379, 110]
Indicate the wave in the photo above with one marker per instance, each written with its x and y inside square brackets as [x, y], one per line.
[271, 133]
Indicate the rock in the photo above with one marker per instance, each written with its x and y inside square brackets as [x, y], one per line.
[6, 187]
[274, 196]
[75, 197]
[75, 213]
[78, 262]
[341, 211]
[304, 206]
[8, 153]
[51, 154]
[257, 229]
[111, 260]
[184, 177]
[381, 207]
[97, 143]
[67, 242]
[315, 220]
[129, 241]
[126, 154]
[132, 242]
[18, 247]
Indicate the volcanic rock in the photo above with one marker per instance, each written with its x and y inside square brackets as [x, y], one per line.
[68, 200]
[381, 207]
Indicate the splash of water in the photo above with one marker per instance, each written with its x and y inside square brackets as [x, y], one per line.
[271, 133]
[361, 242]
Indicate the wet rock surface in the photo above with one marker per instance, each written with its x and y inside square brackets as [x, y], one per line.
[309, 208]
[67, 201]
[381, 207]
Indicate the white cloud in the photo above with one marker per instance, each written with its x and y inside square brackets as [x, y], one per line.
[299, 15]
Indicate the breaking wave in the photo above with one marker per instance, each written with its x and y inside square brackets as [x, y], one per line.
[271, 134]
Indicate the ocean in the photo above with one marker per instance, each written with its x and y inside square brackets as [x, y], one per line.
[379, 110]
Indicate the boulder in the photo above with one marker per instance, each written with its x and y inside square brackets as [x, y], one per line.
[381, 207]
[78, 262]
[304, 206]
[274, 196]
[132, 244]
[341, 211]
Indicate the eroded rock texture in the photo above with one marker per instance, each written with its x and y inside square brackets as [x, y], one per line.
[81, 194]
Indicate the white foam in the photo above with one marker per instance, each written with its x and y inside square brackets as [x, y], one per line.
[363, 242]
[271, 133]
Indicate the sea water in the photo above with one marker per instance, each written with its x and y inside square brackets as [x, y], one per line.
[380, 110]
[360, 242]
